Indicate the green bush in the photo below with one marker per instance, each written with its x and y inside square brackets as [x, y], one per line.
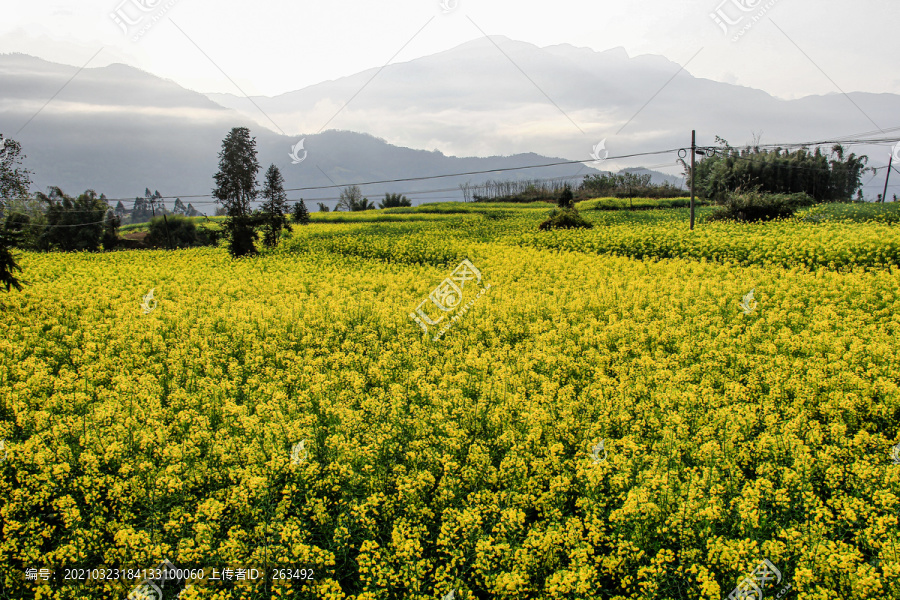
[16, 222]
[749, 207]
[394, 201]
[207, 236]
[183, 232]
[565, 218]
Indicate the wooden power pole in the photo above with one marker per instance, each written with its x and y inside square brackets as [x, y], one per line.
[887, 178]
[693, 157]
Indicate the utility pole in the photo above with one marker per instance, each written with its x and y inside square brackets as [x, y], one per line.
[693, 157]
[887, 178]
[166, 221]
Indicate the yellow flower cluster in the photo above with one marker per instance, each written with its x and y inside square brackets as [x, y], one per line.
[464, 464]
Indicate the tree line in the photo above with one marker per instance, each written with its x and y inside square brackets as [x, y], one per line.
[824, 177]
[614, 185]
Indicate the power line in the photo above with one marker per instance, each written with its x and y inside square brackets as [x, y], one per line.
[404, 179]
[849, 140]
[334, 198]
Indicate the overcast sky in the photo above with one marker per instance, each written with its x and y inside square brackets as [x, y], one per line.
[269, 47]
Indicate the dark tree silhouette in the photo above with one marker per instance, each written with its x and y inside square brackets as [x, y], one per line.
[74, 224]
[274, 208]
[299, 213]
[566, 198]
[394, 201]
[14, 183]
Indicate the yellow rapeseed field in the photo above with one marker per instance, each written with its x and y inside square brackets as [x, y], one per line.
[607, 421]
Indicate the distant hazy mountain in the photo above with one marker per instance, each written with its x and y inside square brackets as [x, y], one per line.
[475, 100]
[119, 130]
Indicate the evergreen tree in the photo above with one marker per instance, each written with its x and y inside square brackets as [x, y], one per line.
[274, 207]
[299, 213]
[236, 188]
[179, 207]
[190, 211]
[120, 211]
[323, 208]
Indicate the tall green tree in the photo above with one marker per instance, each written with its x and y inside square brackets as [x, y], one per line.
[14, 183]
[236, 188]
[151, 205]
[274, 208]
[139, 211]
[351, 199]
[74, 224]
[14, 180]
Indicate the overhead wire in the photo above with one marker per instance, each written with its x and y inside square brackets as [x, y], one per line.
[848, 140]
